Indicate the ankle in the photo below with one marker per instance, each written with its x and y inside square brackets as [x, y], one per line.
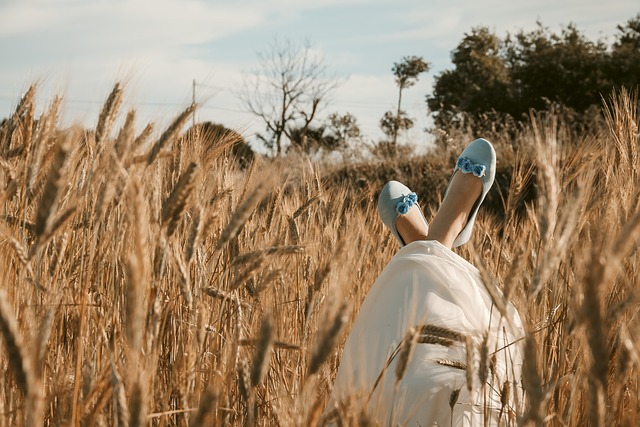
[412, 226]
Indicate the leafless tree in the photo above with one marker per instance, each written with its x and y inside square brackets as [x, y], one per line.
[287, 90]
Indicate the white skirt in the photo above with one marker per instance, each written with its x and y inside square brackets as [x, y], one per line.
[432, 289]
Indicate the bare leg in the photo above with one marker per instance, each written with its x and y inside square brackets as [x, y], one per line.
[412, 226]
[451, 218]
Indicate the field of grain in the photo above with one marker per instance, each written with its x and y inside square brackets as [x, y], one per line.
[147, 279]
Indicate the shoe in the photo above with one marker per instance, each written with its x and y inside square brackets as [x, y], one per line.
[479, 158]
[396, 199]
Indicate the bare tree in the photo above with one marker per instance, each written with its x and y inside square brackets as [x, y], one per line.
[287, 90]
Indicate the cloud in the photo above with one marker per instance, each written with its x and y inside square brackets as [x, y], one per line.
[119, 28]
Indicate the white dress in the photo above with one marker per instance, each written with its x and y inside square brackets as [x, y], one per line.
[429, 287]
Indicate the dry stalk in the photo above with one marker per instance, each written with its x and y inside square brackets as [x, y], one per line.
[302, 209]
[207, 403]
[532, 384]
[276, 344]
[244, 379]
[441, 331]
[275, 200]
[406, 352]
[176, 202]
[120, 399]
[470, 357]
[294, 233]
[134, 304]
[456, 364]
[324, 345]
[267, 252]
[263, 351]
[125, 137]
[170, 133]
[222, 295]
[16, 351]
[240, 216]
[483, 373]
[138, 405]
[142, 138]
[49, 196]
[453, 399]
[108, 114]
[194, 233]
[42, 341]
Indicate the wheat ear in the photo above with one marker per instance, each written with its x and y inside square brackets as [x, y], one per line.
[328, 339]
[207, 402]
[16, 351]
[170, 133]
[108, 114]
[263, 351]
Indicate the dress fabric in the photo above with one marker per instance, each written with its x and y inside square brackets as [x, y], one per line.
[428, 287]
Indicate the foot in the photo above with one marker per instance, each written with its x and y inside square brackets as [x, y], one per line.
[472, 178]
[463, 193]
[399, 210]
[412, 226]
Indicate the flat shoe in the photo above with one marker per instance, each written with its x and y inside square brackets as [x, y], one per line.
[394, 200]
[479, 158]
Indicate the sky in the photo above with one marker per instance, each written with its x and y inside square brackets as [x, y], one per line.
[158, 48]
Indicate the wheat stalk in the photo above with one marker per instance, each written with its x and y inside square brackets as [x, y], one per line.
[50, 194]
[240, 216]
[327, 340]
[108, 114]
[16, 351]
[169, 133]
[120, 399]
[263, 351]
[207, 402]
[407, 345]
[138, 403]
[176, 202]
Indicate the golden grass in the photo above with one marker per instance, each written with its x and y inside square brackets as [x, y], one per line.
[139, 286]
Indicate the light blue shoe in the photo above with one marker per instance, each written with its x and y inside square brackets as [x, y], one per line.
[479, 158]
[396, 199]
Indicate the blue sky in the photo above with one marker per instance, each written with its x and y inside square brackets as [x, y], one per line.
[79, 48]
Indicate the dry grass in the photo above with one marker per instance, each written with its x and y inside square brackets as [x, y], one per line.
[141, 287]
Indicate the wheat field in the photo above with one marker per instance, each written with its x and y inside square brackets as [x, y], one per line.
[147, 279]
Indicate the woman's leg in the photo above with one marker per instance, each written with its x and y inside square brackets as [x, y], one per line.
[463, 192]
[412, 225]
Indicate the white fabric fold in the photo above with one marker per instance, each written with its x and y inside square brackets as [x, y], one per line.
[426, 284]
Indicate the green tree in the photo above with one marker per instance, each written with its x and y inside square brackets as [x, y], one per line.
[539, 70]
[565, 69]
[624, 67]
[334, 134]
[391, 122]
[406, 73]
[479, 82]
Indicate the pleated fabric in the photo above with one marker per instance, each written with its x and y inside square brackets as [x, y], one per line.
[431, 289]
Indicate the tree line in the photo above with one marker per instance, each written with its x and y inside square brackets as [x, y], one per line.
[494, 81]
[536, 70]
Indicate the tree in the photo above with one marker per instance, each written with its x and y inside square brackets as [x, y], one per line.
[334, 134]
[479, 82]
[624, 68]
[562, 69]
[406, 73]
[390, 123]
[287, 91]
[539, 70]
[343, 128]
